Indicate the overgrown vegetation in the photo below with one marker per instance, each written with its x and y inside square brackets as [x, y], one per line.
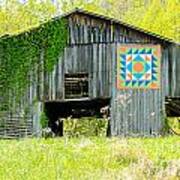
[22, 53]
[85, 127]
[173, 124]
[43, 120]
[90, 158]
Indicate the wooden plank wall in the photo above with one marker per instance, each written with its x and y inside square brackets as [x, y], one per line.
[174, 71]
[24, 119]
[137, 112]
[91, 48]
[133, 112]
[88, 51]
[85, 29]
[93, 59]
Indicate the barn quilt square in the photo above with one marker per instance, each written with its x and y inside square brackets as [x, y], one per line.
[138, 66]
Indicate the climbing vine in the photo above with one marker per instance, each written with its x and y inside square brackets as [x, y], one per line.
[21, 53]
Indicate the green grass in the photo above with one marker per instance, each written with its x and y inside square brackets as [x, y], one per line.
[90, 158]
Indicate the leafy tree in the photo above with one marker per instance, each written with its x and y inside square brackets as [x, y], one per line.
[159, 16]
[16, 16]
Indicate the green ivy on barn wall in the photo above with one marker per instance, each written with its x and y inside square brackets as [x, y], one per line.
[20, 54]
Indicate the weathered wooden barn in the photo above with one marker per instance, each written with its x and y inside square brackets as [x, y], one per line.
[105, 62]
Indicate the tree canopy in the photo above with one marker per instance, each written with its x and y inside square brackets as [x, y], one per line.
[159, 16]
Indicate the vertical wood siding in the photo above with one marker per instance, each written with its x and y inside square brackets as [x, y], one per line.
[137, 111]
[91, 48]
[93, 59]
[174, 71]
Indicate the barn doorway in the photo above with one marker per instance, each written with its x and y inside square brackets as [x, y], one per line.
[172, 106]
[74, 108]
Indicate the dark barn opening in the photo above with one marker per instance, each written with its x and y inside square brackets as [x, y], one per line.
[75, 109]
[173, 106]
[76, 85]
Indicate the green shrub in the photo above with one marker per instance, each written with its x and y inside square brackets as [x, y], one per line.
[43, 120]
[174, 124]
[85, 127]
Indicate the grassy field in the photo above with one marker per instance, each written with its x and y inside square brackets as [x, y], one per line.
[90, 158]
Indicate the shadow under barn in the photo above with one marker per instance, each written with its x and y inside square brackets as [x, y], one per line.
[173, 106]
[74, 109]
